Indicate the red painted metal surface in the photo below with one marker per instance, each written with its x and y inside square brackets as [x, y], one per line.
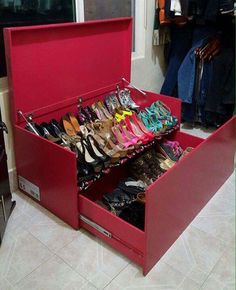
[179, 195]
[117, 245]
[129, 235]
[53, 170]
[50, 64]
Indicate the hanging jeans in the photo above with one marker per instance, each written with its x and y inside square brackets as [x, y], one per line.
[186, 73]
[181, 40]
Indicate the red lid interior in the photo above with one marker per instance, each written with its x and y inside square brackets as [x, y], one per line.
[53, 63]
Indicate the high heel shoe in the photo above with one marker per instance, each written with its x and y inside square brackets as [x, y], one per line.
[126, 100]
[94, 162]
[112, 152]
[101, 106]
[95, 150]
[136, 130]
[81, 116]
[85, 169]
[73, 120]
[91, 115]
[141, 126]
[56, 127]
[48, 133]
[129, 135]
[99, 112]
[104, 130]
[112, 103]
[68, 127]
[122, 139]
[151, 123]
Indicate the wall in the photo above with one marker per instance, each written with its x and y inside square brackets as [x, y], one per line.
[148, 65]
[147, 71]
[5, 111]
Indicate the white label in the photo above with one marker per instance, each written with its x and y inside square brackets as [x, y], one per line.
[29, 187]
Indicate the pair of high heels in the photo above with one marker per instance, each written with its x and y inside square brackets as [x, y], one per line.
[102, 133]
[90, 154]
[49, 131]
[86, 115]
[158, 118]
[126, 100]
[70, 124]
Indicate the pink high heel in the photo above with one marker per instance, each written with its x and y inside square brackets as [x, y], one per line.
[121, 138]
[129, 135]
[136, 130]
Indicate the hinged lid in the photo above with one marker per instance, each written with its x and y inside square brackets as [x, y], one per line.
[53, 63]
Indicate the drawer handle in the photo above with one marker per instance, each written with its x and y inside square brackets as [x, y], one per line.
[96, 226]
[3, 207]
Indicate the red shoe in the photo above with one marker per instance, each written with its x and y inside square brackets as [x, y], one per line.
[141, 126]
[136, 130]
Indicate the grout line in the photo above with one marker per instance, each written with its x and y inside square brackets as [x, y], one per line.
[117, 275]
[44, 262]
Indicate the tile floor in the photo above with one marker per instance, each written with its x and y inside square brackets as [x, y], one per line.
[40, 252]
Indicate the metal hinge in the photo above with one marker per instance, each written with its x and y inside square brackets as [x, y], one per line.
[96, 226]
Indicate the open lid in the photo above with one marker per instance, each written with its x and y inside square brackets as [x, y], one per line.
[50, 64]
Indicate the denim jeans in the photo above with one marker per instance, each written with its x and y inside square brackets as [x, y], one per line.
[187, 70]
[181, 40]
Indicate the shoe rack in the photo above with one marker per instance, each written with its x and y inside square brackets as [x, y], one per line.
[50, 68]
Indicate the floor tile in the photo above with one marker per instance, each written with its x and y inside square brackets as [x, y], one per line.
[189, 284]
[221, 227]
[93, 260]
[20, 255]
[54, 274]
[162, 276]
[230, 286]
[37, 214]
[195, 254]
[224, 270]
[18, 222]
[5, 285]
[212, 284]
[54, 236]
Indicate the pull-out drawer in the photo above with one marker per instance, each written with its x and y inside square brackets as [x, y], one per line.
[172, 201]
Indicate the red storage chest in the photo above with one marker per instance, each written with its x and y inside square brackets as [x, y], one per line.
[49, 68]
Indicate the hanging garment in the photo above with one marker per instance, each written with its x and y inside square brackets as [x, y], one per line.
[186, 73]
[161, 32]
[162, 14]
[177, 52]
[226, 6]
[175, 7]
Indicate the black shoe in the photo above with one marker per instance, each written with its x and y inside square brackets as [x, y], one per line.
[49, 134]
[96, 151]
[85, 170]
[91, 159]
[56, 128]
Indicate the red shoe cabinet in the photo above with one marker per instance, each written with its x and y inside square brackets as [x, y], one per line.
[49, 68]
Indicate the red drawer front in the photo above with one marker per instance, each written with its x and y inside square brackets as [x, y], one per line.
[122, 232]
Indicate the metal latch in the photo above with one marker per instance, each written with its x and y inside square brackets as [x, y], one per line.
[96, 226]
[3, 127]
